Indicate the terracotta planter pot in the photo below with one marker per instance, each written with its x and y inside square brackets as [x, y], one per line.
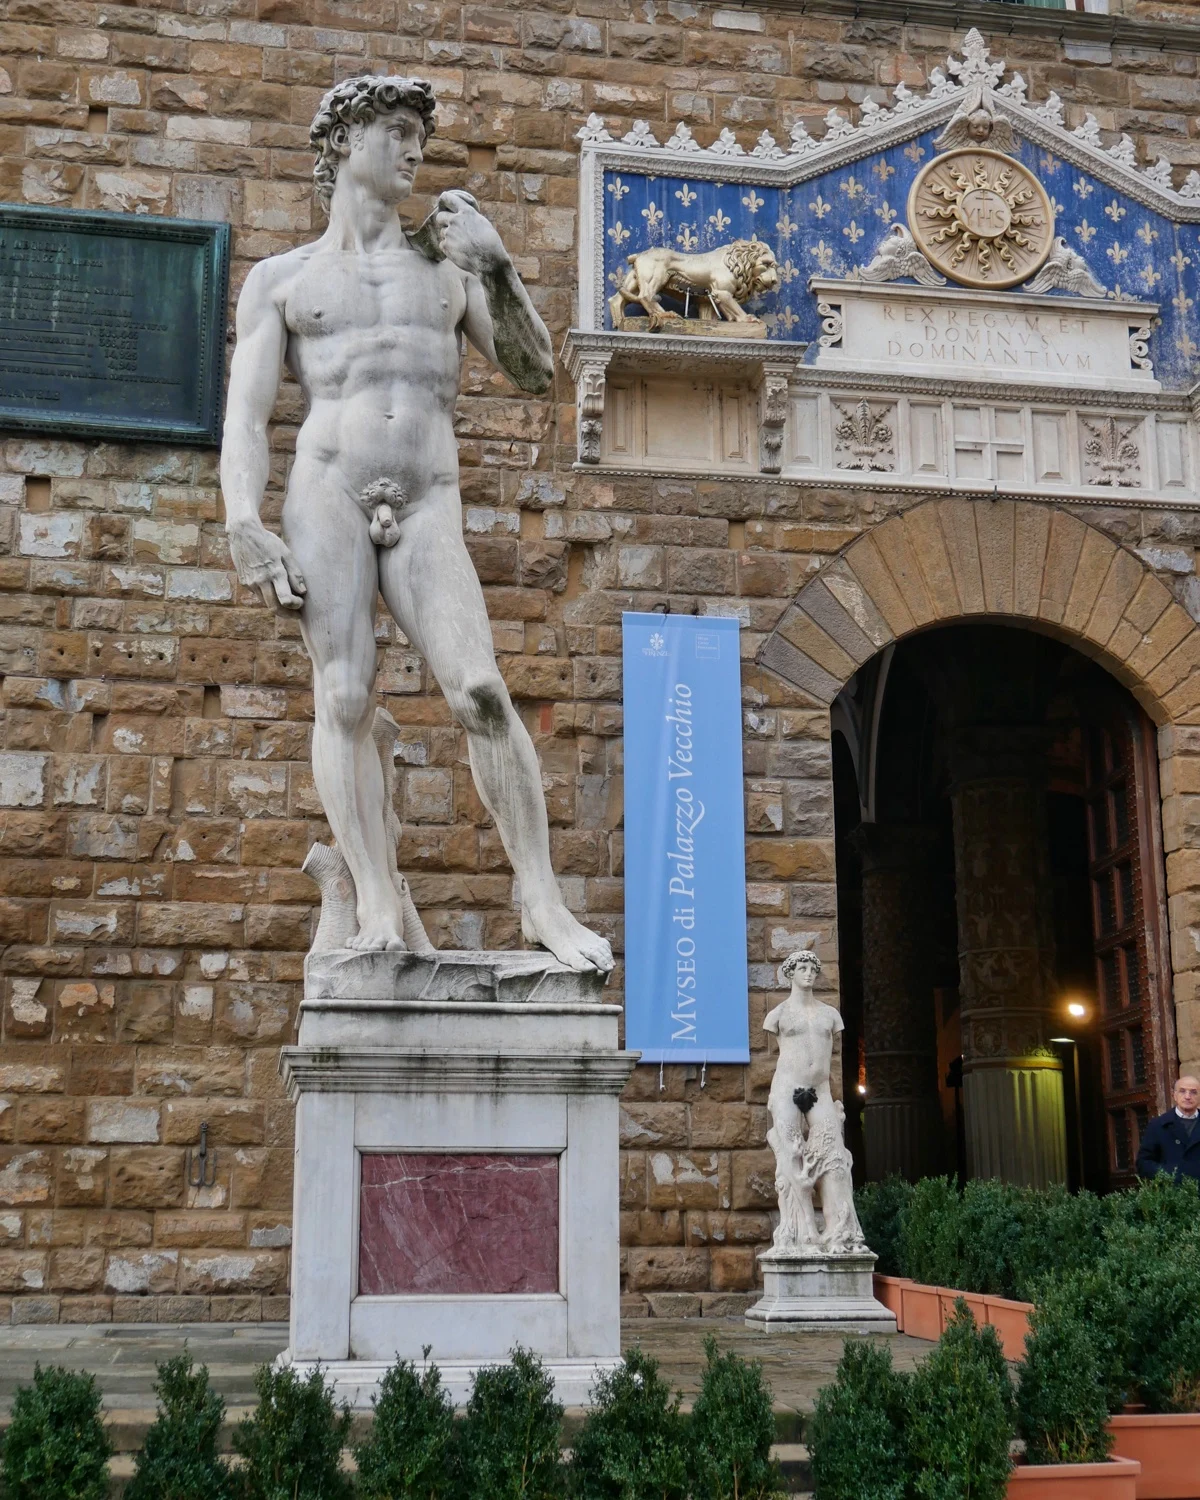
[947, 1297]
[922, 1310]
[888, 1290]
[1114, 1480]
[1169, 1450]
[1011, 1322]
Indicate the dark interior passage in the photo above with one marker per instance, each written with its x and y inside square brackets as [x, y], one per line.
[1001, 911]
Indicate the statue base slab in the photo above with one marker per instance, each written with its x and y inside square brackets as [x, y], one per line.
[804, 1289]
[456, 1167]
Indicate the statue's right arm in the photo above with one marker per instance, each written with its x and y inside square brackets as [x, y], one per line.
[771, 1020]
[261, 558]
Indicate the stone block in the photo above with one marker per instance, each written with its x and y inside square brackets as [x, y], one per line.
[684, 1179]
[232, 1271]
[147, 1177]
[662, 1269]
[30, 1310]
[26, 1176]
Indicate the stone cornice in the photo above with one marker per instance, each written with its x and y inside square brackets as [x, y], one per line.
[1005, 20]
[631, 352]
[385, 1070]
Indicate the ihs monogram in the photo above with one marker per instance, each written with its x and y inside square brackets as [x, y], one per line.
[981, 218]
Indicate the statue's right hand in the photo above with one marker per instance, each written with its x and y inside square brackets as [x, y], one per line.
[263, 561]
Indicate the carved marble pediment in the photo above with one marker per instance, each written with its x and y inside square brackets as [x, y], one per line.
[1013, 364]
[826, 205]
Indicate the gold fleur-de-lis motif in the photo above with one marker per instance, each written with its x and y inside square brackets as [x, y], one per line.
[753, 202]
[883, 170]
[1151, 277]
[1187, 346]
[1083, 187]
[1182, 303]
[786, 227]
[1056, 205]
[820, 207]
[788, 272]
[851, 187]
[853, 233]
[618, 234]
[618, 188]
[1146, 234]
[823, 254]
[786, 319]
[685, 195]
[687, 238]
[1049, 164]
[886, 212]
[719, 221]
[1117, 253]
[914, 152]
[653, 215]
[1085, 231]
[1115, 211]
[1179, 260]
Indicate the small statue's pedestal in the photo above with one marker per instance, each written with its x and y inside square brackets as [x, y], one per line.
[456, 1167]
[818, 1291]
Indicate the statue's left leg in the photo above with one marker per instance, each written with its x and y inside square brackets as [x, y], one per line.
[431, 587]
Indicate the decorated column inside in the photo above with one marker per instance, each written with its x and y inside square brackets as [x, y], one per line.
[1012, 1082]
[902, 1124]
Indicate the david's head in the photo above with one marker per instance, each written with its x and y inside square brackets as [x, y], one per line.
[801, 967]
[374, 129]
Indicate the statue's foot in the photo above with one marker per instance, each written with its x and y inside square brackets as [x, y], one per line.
[379, 933]
[553, 926]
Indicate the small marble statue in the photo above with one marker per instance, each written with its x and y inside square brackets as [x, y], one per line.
[811, 1160]
[370, 320]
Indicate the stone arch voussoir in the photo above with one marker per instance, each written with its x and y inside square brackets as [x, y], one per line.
[947, 561]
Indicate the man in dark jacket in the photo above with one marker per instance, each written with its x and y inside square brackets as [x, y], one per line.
[1171, 1143]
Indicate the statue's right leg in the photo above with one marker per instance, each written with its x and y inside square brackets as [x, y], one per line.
[330, 540]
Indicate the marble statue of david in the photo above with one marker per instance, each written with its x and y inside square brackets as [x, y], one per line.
[370, 322]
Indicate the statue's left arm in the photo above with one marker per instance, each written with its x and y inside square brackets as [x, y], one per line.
[500, 319]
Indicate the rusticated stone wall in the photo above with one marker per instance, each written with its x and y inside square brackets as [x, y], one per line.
[154, 783]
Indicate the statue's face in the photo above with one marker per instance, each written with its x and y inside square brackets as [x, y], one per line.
[384, 155]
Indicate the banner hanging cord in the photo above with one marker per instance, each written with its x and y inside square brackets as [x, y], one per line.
[661, 1084]
[703, 1071]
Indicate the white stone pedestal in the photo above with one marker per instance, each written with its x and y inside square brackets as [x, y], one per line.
[831, 1292]
[485, 1086]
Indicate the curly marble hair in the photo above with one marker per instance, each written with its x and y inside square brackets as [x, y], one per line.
[356, 101]
[793, 961]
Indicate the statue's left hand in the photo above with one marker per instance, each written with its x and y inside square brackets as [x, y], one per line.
[466, 237]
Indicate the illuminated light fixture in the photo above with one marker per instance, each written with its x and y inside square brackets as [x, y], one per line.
[862, 1088]
[1066, 1041]
[1077, 1010]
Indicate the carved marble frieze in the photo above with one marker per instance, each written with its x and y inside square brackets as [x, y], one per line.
[684, 406]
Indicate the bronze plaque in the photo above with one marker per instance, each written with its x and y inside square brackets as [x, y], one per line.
[112, 325]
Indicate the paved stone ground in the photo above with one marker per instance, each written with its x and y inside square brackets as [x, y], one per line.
[123, 1357]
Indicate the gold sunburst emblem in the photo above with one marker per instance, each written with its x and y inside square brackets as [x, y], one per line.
[981, 218]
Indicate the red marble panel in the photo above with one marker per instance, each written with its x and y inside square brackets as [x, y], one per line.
[457, 1223]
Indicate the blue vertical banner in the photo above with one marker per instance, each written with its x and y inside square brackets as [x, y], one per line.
[686, 996]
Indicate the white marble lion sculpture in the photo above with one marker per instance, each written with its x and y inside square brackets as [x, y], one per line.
[726, 276]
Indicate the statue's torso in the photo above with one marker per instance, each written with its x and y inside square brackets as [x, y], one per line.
[373, 340]
[806, 1032]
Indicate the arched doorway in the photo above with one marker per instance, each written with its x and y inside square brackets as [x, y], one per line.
[1002, 908]
[1074, 590]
